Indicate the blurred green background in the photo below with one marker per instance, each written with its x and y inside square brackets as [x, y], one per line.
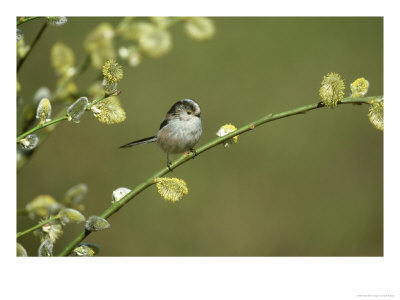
[309, 185]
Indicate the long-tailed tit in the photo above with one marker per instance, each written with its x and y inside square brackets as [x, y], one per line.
[179, 131]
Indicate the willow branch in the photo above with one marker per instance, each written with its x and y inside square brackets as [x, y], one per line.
[19, 234]
[113, 208]
[25, 156]
[23, 20]
[63, 117]
[81, 68]
[40, 126]
[31, 47]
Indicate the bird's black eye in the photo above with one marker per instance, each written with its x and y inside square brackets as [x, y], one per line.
[189, 112]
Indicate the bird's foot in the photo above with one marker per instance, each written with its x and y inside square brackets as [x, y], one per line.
[194, 152]
[169, 164]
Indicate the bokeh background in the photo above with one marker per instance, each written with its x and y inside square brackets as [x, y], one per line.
[309, 185]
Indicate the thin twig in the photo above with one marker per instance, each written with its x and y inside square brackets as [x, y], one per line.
[94, 102]
[63, 117]
[113, 208]
[19, 234]
[31, 47]
[40, 126]
[23, 20]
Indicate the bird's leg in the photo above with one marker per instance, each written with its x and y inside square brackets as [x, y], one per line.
[194, 152]
[169, 163]
[169, 166]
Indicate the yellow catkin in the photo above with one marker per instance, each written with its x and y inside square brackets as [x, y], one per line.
[171, 189]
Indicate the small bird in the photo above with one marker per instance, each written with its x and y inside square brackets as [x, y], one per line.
[179, 131]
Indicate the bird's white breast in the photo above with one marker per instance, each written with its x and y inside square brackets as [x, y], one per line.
[179, 135]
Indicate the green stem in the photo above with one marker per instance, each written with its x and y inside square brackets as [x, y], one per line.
[113, 208]
[23, 20]
[64, 117]
[94, 102]
[40, 126]
[81, 68]
[19, 234]
[42, 136]
[21, 61]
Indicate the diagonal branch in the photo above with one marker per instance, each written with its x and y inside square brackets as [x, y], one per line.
[22, 20]
[113, 208]
[31, 47]
[64, 117]
[19, 234]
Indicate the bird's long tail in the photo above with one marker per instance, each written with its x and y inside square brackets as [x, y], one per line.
[151, 139]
